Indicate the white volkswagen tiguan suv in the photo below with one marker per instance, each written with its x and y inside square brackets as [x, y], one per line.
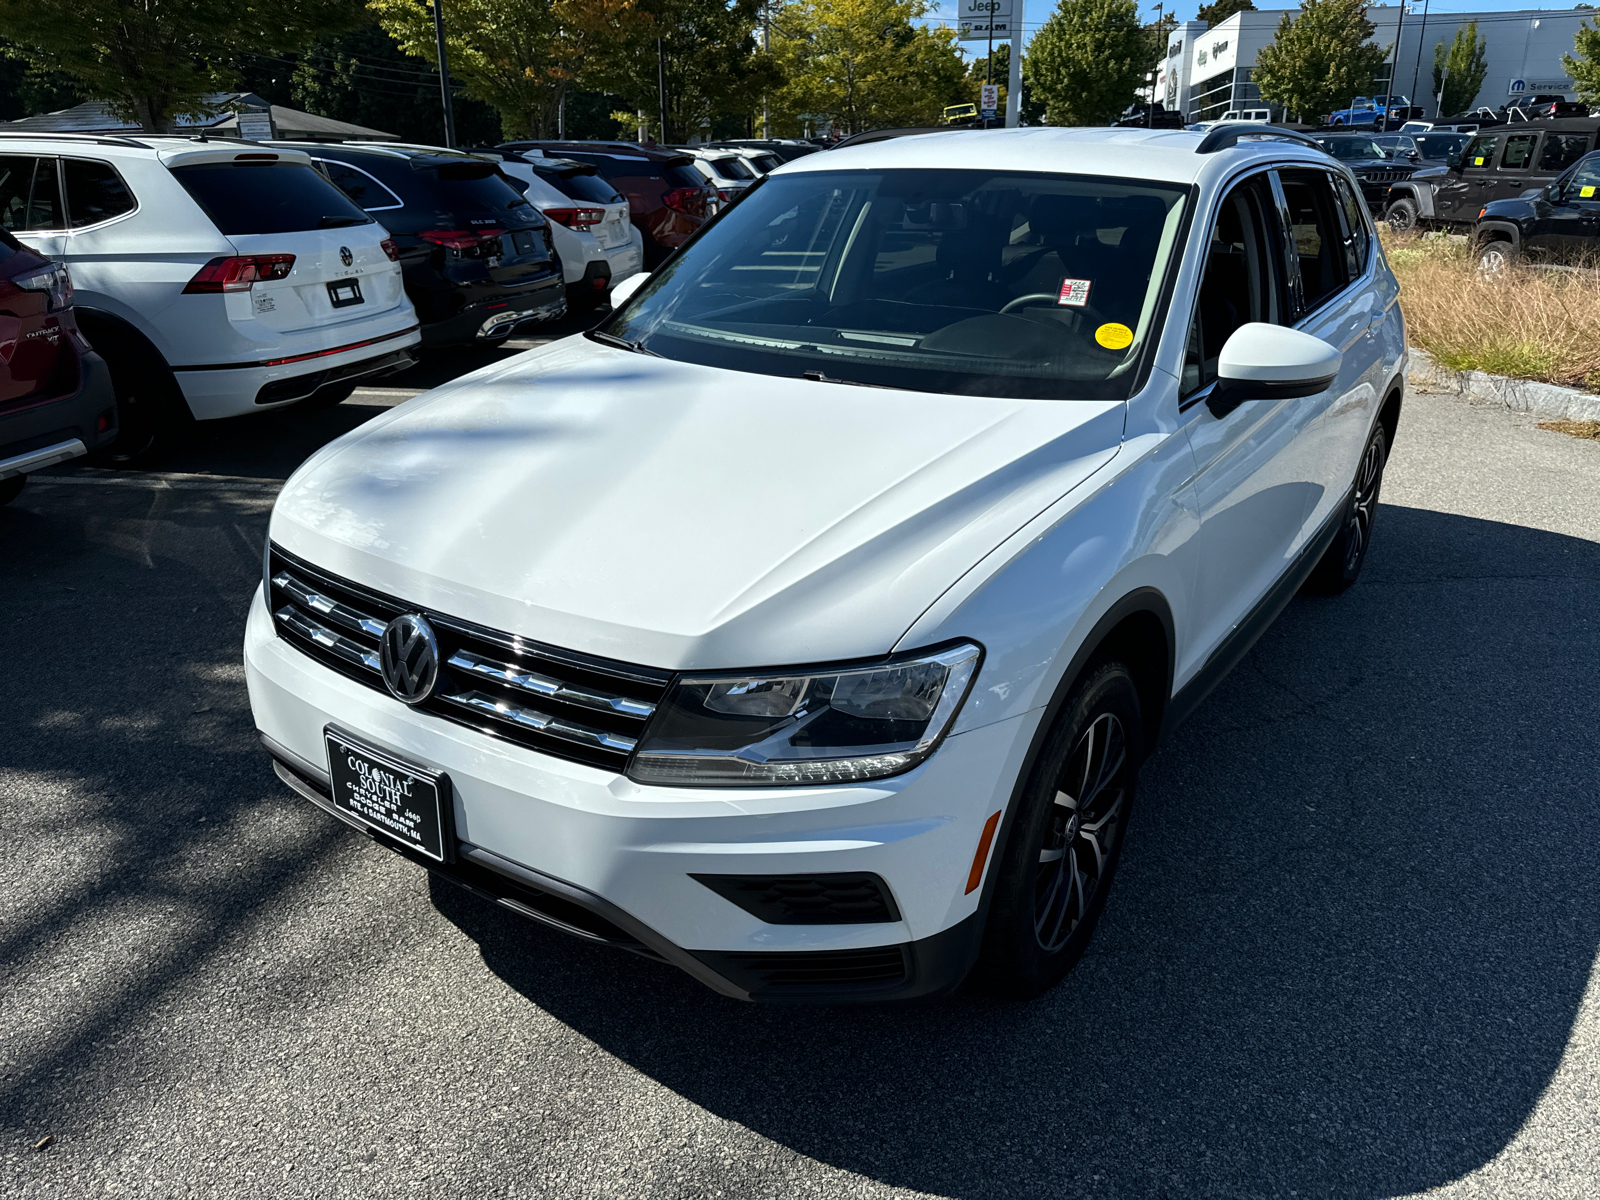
[805, 625]
[216, 277]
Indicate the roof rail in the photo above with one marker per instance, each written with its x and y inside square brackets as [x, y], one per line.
[102, 139]
[1224, 136]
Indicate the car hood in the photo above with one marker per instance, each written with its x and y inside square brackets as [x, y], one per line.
[681, 516]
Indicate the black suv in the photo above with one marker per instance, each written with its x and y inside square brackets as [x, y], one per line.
[1497, 164]
[475, 255]
[1369, 162]
[1560, 224]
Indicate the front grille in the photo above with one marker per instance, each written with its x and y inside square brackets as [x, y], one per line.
[844, 898]
[569, 705]
[1384, 176]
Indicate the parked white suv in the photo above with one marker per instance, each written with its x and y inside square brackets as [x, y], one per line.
[216, 277]
[805, 626]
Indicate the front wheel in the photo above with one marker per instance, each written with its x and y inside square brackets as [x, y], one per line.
[1496, 258]
[1055, 869]
[1341, 563]
[1402, 215]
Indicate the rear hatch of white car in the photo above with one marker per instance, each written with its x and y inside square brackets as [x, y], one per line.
[307, 257]
[584, 186]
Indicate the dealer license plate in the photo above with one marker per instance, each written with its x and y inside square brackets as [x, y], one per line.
[344, 292]
[406, 802]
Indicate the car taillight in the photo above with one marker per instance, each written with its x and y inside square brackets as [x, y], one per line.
[460, 240]
[724, 195]
[239, 273]
[54, 281]
[391, 248]
[686, 200]
[576, 218]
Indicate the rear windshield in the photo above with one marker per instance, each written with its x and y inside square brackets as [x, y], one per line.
[267, 197]
[471, 188]
[959, 281]
[581, 186]
[732, 168]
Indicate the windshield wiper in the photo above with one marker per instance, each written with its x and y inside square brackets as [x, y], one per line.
[621, 343]
[819, 377]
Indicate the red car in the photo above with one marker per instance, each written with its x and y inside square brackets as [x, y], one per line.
[56, 400]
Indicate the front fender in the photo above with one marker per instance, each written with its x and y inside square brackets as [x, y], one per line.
[1420, 194]
[1491, 230]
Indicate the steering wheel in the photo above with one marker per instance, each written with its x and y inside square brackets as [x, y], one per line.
[1030, 298]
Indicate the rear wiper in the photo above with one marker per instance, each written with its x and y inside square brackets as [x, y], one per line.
[819, 377]
[621, 343]
[519, 200]
[341, 222]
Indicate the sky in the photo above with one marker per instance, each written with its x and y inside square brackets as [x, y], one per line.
[1036, 12]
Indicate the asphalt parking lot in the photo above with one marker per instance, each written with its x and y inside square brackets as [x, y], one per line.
[1351, 951]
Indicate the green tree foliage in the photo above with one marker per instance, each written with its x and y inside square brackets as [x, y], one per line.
[1585, 67]
[157, 58]
[1467, 66]
[977, 71]
[26, 90]
[862, 64]
[1088, 61]
[1219, 11]
[715, 72]
[1320, 60]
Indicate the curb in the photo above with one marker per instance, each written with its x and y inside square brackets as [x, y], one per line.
[1518, 395]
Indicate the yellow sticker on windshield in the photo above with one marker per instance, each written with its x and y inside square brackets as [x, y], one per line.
[1478, 162]
[1114, 336]
[1585, 192]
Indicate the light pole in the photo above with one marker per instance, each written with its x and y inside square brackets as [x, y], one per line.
[444, 75]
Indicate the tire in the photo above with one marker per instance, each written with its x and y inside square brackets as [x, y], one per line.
[1402, 215]
[152, 416]
[1053, 873]
[1340, 565]
[10, 488]
[1496, 257]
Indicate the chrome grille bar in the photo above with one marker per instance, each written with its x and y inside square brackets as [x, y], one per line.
[339, 614]
[528, 718]
[330, 641]
[540, 685]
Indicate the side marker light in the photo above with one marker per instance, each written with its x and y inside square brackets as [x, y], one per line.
[975, 876]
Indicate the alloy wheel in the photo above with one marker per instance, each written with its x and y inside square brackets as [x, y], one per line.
[1494, 260]
[1358, 526]
[1085, 825]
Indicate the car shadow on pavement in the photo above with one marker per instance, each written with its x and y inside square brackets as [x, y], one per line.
[1342, 957]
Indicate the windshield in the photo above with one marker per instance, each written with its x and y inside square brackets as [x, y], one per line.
[965, 282]
[1346, 149]
[1439, 145]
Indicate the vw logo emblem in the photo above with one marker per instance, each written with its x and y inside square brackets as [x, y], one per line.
[409, 655]
[345, 256]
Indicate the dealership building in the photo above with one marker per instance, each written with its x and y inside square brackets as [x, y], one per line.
[1208, 71]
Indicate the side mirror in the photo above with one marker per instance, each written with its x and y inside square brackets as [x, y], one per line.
[1453, 160]
[624, 291]
[1269, 362]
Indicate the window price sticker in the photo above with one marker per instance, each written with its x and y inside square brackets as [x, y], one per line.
[1074, 293]
[1585, 192]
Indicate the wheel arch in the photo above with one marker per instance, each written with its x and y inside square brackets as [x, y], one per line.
[1422, 197]
[1496, 231]
[91, 319]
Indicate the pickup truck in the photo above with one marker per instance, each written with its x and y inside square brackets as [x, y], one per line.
[1364, 110]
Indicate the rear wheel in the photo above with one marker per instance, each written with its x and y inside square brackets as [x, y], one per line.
[1341, 564]
[1402, 215]
[1056, 867]
[151, 413]
[11, 488]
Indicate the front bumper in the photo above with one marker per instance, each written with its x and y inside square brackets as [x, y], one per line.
[592, 852]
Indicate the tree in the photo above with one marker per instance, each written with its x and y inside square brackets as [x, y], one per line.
[1088, 61]
[1219, 11]
[158, 58]
[862, 64]
[1458, 73]
[978, 75]
[1319, 61]
[520, 57]
[1585, 68]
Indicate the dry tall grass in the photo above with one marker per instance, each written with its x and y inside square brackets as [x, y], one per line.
[1524, 322]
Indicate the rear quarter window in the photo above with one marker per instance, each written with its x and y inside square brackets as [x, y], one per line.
[258, 197]
[95, 192]
[683, 176]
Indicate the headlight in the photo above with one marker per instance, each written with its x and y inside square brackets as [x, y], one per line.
[817, 726]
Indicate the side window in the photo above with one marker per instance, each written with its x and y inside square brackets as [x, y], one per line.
[44, 204]
[16, 177]
[1584, 183]
[1318, 236]
[1561, 150]
[1519, 151]
[1358, 237]
[95, 192]
[1479, 154]
[362, 188]
[1241, 282]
